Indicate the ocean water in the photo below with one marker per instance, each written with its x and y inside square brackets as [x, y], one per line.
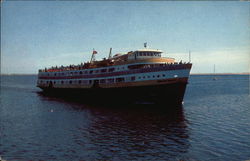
[212, 124]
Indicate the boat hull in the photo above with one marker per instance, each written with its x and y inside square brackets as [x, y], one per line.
[163, 94]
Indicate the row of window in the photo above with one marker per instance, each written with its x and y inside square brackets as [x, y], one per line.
[84, 72]
[157, 54]
[101, 81]
[104, 81]
[153, 76]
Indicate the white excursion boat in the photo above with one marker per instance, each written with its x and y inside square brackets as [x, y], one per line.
[137, 75]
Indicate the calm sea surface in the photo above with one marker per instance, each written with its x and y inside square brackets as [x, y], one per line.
[213, 124]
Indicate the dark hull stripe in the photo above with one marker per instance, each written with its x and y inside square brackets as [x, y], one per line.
[161, 94]
[135, 71]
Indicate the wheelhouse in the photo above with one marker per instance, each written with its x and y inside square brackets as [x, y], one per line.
[145, 54]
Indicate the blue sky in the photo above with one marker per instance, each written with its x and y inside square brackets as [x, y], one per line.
[47, 33]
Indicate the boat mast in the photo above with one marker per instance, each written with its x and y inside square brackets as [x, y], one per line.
[110, 53]
[93, 56]
[214, 74]
[189, 56]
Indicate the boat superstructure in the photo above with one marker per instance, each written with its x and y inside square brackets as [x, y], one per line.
[138, 74]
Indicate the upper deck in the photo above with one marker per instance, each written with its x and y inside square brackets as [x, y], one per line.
[147, 56]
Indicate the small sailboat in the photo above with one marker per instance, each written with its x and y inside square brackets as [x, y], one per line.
[214, 78]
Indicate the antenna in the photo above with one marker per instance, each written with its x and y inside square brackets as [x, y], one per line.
[110, 53]
[93, 56]
[189, 56]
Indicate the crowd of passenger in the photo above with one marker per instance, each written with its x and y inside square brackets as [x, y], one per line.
[84, 66]
[64, 68]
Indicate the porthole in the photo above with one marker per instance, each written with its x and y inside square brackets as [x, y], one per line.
[133, 78]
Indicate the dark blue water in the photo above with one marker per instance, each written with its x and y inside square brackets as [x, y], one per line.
[213, 124]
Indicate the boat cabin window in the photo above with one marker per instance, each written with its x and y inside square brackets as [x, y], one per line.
[111, 80]
[103, 70]
[111, 69]
[148, 53]
[133, 78]
[90, 72]
[136, 66]
[120, 79]
[103, 81]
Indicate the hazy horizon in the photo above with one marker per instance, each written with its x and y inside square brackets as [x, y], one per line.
[243, 73]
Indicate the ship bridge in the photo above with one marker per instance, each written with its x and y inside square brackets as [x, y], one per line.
[144, 54]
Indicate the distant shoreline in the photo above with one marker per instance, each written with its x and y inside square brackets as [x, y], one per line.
[190, 74]
[15, 74]
[220, 74]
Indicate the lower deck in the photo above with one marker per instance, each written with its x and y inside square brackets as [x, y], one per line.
[140, 77]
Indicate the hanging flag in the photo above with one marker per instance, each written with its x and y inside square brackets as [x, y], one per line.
[94, 52]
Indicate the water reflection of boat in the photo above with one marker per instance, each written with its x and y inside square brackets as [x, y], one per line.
[126, 132]
[136, 133]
